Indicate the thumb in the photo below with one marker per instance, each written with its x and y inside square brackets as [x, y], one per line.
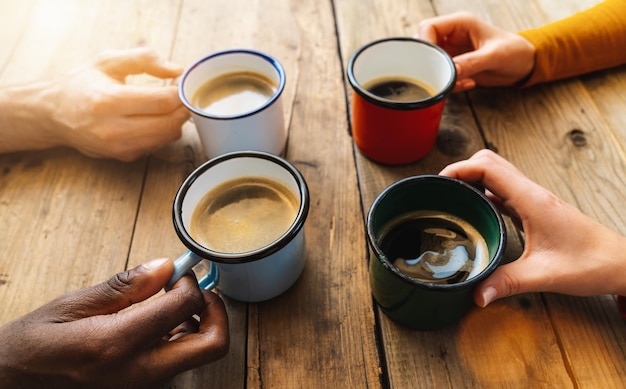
[121, 63]
[427, 32]
[470, 64]
[503, 282]
[120, 291]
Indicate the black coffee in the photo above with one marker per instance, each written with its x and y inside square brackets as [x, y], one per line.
[399, 88]
[434, 247]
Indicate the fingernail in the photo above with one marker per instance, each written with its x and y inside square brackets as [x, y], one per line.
[155, 263]
[489, 294]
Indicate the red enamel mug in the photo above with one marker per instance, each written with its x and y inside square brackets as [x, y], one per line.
[399, 90]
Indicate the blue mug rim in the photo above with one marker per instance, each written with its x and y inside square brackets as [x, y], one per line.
[273, 61]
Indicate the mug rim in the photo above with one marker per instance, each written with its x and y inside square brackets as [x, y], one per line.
[282, 77]
[248, 256]
[382, 257]
[395, 104]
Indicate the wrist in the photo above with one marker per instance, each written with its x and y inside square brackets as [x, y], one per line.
[27, 121]
[529, 59]
[616, 265]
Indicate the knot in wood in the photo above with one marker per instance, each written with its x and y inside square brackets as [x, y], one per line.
[578, 138]
[452, 142]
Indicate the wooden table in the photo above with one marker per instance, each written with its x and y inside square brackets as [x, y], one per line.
[68, 221]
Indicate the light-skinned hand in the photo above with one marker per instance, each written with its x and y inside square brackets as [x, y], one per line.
[484, 55]
[94, 110]
[86, 338]
[565, 251]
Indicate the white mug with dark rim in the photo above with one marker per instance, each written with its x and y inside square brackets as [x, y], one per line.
[257, 125]
[255, 275]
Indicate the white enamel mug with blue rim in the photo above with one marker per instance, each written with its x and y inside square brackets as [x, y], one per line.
[261, 129]
[256, 275]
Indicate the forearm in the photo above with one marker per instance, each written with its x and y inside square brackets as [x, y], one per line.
[585, 42]
[26, 118]
[597, 258]
[616, 275]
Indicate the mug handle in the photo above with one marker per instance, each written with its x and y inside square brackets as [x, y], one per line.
[184, 263]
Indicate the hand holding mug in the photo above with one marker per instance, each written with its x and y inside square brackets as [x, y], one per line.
[86, 338]
[95, 111]
[565, 251]
[433, 239]
[242, 215]
[484, 55]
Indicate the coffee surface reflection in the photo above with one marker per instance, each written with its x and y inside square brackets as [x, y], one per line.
[434, 247]
[399, 88]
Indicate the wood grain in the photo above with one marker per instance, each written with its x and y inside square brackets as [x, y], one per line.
[330, 305]
[581, 162]
[69, 221]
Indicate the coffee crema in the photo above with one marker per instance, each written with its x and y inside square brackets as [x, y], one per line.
[399, 88]
[243, 214]
[434, 247]
[234, 93]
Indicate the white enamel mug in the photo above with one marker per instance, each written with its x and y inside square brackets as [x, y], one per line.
[261, 128]
[256, 275]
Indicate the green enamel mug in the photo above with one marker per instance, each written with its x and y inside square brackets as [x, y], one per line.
[432, 240]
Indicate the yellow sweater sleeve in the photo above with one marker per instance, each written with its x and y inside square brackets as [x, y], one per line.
[584, 42]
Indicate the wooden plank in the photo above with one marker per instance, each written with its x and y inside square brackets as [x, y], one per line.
[67, 222]
[608, 345]
[57, 36]
[81, 211]
[578, 154]
[559, 126]
[321, 330]
[503, 345]
[606, 91]
[331, 313]
[451, 357]
[14, 24]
